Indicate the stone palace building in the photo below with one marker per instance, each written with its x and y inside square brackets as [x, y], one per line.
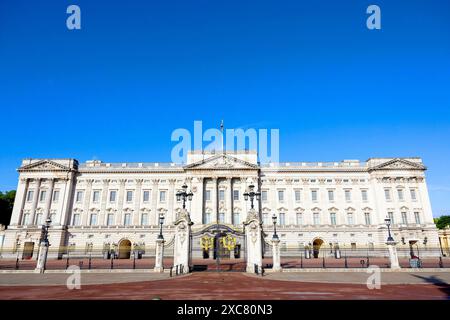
[97, 205]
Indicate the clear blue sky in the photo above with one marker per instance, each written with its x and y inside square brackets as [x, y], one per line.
[116, 89]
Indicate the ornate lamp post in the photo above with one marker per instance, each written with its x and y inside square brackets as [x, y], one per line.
[274, 220]
[388, 224]
[161, 222]
[184, 195]
[251, 194]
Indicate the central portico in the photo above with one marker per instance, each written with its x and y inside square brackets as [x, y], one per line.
[218, 182]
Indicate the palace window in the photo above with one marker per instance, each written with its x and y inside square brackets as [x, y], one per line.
[350, 218]
[235, 195]
[264, 195]
[127, 219]
[314, 195]
[221, 217]
[93, 220]
[112, 196]
[404, 218]
[39, 219]
[367, 218]
[348, 195]
[208, 195]
[236, 218]
[364, 195]
[162, 196]
[76, 219]
[297, 195]
[413, 194]
[387, 194]
[282, 219]
[400, 194]
[144, 219]
[280, 195]
[221, 195]
[207, 217]
[30, 195]
[316, 218]
[42, 196]
[146, 196]
[330, 195]
[129, 196]
[266, 219]
[417, 217]
[299, 219]
[26, 219]
[110, 219]
[79, 196]
[95, 196]
[333, 218]
[55, 196]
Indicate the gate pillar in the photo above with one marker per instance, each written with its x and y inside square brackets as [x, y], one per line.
[182, 244]
[253, 233]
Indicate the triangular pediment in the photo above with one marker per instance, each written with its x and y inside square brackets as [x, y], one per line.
[222, 162]
[399, 164]
[44, 165]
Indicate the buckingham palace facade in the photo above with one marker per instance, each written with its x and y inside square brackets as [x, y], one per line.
[96, 203]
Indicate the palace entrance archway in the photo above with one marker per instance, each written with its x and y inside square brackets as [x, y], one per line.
[317, 243]
[124, 249]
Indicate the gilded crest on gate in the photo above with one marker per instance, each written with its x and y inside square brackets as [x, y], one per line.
[229, 242]
[207, 243]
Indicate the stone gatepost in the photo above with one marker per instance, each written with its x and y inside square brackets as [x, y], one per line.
[182, 245]
[276, 255]
[159, 263]
[42, 257]
[253, 233]
[393, 257]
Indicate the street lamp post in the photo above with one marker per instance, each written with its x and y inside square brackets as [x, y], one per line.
[388, 224]
[274, 220]
[251, 194]
[184, 195]
[161, 222]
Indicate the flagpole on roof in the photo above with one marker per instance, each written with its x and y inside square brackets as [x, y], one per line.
[221, 130]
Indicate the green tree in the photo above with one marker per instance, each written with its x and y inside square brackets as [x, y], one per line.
[6, 206]
[442, 222]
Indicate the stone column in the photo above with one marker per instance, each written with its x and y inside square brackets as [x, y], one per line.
[65, 212]
[19, 202]
[153, 219]
[119, 217]
[171, 198]
[393, 257]
[104, 201]
[42, 257]
[276, 255]
[48, 202]
[229, 202]
[137, 202]
[35, 200]
[215, 202]
[253, 242]
[87, 199]
[159, 263]
[182, 245]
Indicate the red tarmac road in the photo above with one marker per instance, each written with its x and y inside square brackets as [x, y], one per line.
[212, 285]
